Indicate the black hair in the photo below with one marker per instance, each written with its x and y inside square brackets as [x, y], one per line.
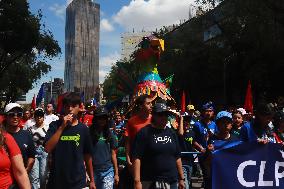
[140, 100]
[265, 109]
[95, 134]
[71, 99]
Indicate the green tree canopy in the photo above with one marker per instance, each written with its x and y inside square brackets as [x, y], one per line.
[25, 48]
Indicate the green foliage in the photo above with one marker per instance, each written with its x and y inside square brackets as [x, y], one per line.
[25, 48]
[249, 47]
[121, 80]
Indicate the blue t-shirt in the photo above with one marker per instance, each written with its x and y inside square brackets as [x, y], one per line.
[67, 166]
[248, 134]
[102, 152]
[158, 150]
[25, 142]
[201, 132]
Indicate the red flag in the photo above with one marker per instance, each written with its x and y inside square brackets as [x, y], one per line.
[248, 101]
[33, 105]
[59, 103]
[182, 104]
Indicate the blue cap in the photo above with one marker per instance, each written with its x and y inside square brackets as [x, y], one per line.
[224, 114]
[208, 105]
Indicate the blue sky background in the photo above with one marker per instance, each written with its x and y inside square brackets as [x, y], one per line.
[117, 17]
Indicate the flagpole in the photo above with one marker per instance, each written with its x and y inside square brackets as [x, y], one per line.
[50, 88]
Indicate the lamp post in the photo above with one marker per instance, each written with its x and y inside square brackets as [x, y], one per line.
[50, 88]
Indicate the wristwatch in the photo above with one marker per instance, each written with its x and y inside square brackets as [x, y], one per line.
[182, 179]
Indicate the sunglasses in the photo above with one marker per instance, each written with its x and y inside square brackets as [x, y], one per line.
[12, 114]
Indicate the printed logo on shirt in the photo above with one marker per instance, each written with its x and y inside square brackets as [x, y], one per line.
[188, 139]
[163, 140]
[75, 138]
[102, 138]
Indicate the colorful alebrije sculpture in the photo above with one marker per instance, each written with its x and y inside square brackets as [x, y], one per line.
[148, 56]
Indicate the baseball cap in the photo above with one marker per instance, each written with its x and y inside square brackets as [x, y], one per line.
[208, 105]
[224, 114]
[11, 106]
[190, 107]
[160, 108]
[39, 112]
[101, 111]
[242, 110]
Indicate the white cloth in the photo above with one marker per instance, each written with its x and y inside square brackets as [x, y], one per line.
[38, 133]
[29, 123]
[50, 118]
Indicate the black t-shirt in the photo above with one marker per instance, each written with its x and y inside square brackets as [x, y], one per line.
[67, 166]
[102, 152]
[25, 142]
[185, 142]
[158, 150]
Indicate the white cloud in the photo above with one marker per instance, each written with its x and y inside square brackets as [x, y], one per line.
[106, 25]
[105, 64]
[59, 10]
[152, 14]
[68, 2]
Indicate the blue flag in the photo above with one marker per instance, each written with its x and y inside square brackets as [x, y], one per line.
[40, 95]
[248, 165]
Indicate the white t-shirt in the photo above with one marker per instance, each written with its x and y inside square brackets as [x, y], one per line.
[50, 118]
[38, 133]
[29, 123]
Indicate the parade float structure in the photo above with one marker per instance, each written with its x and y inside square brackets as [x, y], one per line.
[149, 82]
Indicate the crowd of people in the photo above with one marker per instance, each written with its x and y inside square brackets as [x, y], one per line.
[81, 147]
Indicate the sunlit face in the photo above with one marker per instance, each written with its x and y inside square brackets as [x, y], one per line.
[147, 106]
[208, 114]
[27, 115]
[39, 120]
[237, 119]
[71, 109]
[118, 119]
[49, 108]
[13, 117]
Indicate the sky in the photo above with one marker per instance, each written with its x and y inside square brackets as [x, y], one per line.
[116, 18]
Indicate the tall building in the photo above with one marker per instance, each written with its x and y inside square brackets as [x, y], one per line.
[129, 43]
[82, 47]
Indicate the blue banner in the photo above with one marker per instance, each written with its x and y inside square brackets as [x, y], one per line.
[248, 165]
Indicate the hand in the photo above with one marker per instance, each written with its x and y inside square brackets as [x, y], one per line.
[67, 119]
[181, 184]
[92, 185]
[203, 150]
[262, 141]
[130, 167]
[116, 180]
[137, 185]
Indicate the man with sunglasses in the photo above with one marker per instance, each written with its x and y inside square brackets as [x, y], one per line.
[13, 115]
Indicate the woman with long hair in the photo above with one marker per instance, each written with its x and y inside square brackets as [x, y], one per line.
[11, 163]
[104, 155]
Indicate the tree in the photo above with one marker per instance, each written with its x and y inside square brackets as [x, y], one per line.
[248, 47]
[25, 48]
